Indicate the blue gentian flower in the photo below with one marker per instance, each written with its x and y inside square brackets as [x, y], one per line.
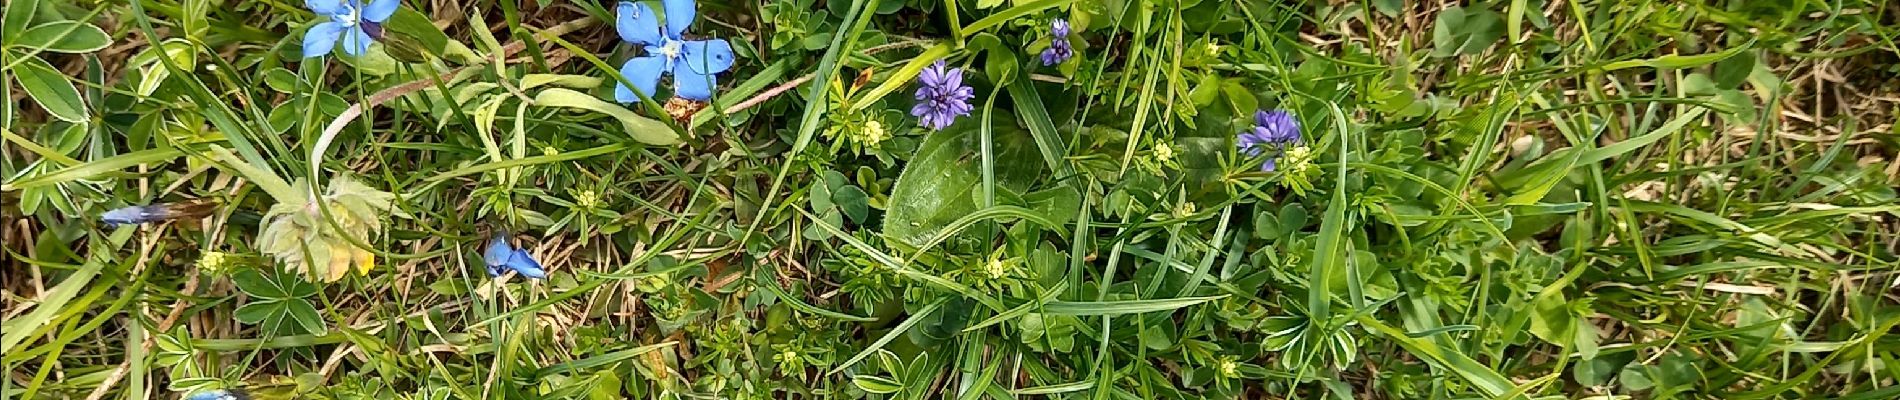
[1272, 132]
[942, 98]
[501, 257]
[693, 63]
[1059, 49]
[220, 394]
[134, 215]
[351, 22]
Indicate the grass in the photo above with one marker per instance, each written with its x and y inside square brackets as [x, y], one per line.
[1510, 199]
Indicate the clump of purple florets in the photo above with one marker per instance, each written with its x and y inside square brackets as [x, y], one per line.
[942, 98]
[1272, 132]
[1059, 49]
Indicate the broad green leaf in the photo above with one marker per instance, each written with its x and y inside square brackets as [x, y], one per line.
[64, 37]
[18, 16]
[257, 285]
[304, 314]
[1463, 31]
[643, 129]
[50, 89]
[936, 188]
[258, 311]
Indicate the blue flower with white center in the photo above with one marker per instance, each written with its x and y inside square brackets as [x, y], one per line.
[1272, 131]
[693, 63]
[351, 23]
[501, 257]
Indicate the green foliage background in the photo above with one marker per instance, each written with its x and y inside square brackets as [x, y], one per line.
[1496, 199]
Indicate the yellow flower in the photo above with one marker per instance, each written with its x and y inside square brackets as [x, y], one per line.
[874, 133]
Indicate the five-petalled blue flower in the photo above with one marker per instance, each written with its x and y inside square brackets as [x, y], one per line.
[942, 98]
[1272, 131]
[354, 24]
[693, 63]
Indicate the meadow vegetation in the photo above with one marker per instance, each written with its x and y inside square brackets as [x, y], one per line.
[969, 199]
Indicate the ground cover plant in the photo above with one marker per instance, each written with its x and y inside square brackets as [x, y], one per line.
[970, 199]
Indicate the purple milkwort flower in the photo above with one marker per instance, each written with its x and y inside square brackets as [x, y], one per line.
[1059, 49]
[693, 63]
[942, 98]
[1272, 131]
[351, 22]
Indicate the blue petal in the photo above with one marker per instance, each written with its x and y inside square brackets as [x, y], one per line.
[356, 41]
[326, 7]
[692, 85]
[644, 73]
[380, 10]
[637, 23]
[679, 15]
[321, 38]
[708, 56]
[498, 251]
[524, 264]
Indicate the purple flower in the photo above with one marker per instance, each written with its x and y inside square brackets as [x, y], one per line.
[1272, 131]
[693, 63]
[942, 98]
[1059, 49]
[351, 22]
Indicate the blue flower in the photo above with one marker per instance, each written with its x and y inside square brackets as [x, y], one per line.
[134, 215]
[693, 63]
[942, 98]
[501, 257]
[220, 394]
[1272, 131]
[1059, 49]
[351, 22]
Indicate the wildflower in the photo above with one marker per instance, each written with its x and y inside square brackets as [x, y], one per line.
[214, 262]
[297, 234]
[1163, 152]
[996, 269]
[1273, 131]
[501, 257]
[693, 63]
[1229, 368]
[1059, 49]
[942, 98]
[135, 215]
[351, 22]
[220, 394]
[587, 199]
[874, 133]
